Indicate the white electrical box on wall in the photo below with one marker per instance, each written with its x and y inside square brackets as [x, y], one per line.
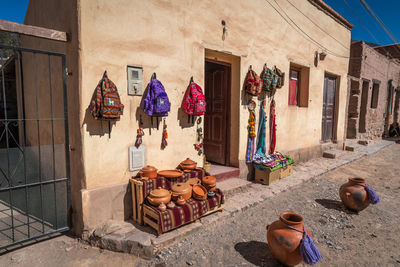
[135, 86]
[137, 159]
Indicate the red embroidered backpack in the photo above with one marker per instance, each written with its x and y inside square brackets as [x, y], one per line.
[253, 83]
[194, 101]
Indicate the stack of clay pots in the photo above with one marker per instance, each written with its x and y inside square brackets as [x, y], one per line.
[209, 182]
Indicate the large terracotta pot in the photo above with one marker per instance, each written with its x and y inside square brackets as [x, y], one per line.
[188, 164]
[353, 194]
[158, 196]
[284, 242]
[148, 171]
[181, 189]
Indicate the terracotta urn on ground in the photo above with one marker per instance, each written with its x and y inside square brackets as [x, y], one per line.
[353, 194]
[283, 242]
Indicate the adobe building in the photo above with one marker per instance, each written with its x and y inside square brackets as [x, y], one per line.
[212, 41]
[374, 92]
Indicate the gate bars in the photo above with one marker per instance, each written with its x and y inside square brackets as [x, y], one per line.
[21, 219]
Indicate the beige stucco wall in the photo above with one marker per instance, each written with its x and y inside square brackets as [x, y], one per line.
[170, 38]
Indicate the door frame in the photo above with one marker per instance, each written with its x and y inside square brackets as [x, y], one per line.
[335, 110]
[228, 107]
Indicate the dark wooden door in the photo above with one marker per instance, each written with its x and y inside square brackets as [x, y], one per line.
[328, 109]
[216, 137]
[363, 107]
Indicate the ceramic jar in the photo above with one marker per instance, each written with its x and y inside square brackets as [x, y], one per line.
[162, 207]
[180, 201]
[158, 196]
[199, 192]
[284, 242]
[181, 189]
[353, 194]
[209, 182]
[188, 164]
[148, 171]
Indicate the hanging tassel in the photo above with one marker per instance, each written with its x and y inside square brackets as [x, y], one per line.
[372, 196]
[308, 251]
[164, 142]
[140, 133]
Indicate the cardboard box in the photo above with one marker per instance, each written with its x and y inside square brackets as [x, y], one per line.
[267, 176]
[285, 172]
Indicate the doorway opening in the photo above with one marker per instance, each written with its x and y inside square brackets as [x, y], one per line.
[217, 117]
[329, 108]
[363, 107]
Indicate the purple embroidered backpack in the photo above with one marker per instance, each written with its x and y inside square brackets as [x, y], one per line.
[156, 103]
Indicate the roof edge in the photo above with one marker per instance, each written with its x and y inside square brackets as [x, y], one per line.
[332, 13]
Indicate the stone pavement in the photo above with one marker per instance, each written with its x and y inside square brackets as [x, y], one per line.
[241, 195]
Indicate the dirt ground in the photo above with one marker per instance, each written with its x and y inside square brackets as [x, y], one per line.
[344, 238]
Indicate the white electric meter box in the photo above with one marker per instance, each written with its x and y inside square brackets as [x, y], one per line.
[135, 86]
[137, 158]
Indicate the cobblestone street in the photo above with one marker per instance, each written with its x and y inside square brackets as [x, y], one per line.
[344, 238]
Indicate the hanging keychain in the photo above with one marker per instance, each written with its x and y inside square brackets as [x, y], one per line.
[252, 131]
[164, 142]
[139, 134]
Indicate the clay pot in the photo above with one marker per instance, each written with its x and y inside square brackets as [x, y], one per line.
[162, 207]
[284, 242]
[171, 173]
[193, 181]
[171, 205]
[209, 182]
[354, 195]
[180, 201]
[188, 164]
[181, 189]
[158, 196]
[148, 171]
[199, 192]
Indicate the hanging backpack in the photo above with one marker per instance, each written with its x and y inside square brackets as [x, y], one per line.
[106, 104]
[194, 101]
[281, 77]
[267, 76]
[252, 83]
[156, 102]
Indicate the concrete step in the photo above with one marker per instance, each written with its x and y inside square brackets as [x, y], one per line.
[234, 186]
[224, 172]
[333, 153]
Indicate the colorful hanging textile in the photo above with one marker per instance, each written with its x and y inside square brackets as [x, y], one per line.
[259, 156]
[293, 85]
[252, 132]
[272, 128]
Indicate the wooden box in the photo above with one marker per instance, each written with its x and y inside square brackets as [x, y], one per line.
[137, 200]
[267, 176]
[285, 172]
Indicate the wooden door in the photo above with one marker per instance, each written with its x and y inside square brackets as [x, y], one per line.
[328, 109]
[216, 137]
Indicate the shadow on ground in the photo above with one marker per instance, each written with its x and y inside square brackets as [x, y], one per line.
[334, 205]
[257, 253]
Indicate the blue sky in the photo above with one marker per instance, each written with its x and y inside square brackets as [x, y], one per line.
[386, 10]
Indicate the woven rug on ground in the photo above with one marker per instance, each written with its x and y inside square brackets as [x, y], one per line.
[192, 210]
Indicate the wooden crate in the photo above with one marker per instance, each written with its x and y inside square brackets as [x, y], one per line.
[285, 172]
[150, 217]
[267, 176]
[137, 200]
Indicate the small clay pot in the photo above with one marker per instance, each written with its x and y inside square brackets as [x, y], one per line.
[188, 164]
[209, 182]
[148, 171]
[181, 189]
[158, 196]
[193, 181]
[162, 207]
[283, 242]
[353, 194]
[199, 192]
[171, 205]
[180, 201]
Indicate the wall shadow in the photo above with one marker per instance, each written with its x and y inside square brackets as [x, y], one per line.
[257, 253]
[97, 127]
[335, 205]
[186, 121]
[128, 211]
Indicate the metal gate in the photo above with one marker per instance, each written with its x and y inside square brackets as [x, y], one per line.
[34, 155]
